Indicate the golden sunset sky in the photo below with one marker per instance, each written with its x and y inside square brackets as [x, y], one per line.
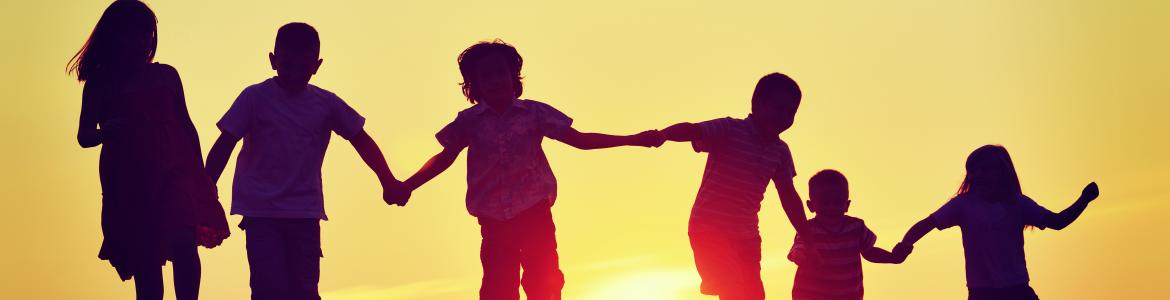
[897, 93]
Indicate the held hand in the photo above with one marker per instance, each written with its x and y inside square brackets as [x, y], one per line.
[1090, 192]
[901, 251]
[650, 138]
[210, 237]
[395, 193]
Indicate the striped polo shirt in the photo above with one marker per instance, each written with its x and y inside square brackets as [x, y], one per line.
[740, 163]
[840, 245]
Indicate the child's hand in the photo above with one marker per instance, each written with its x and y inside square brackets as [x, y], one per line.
[210, 237]
[395, 193]
[650, 138]
[1090, 192]
[901, 251]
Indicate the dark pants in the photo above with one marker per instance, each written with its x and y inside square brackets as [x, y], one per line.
[284, 256]
[1019, 292]
[729, 266]
[184, 256]
[529, 241]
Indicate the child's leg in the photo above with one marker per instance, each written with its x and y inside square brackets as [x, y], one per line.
[1019, 292]
[749, 266]
[711, 261]
[542, 277]
[499, 253]
[186, 265]
[148, 281]
[266, 258]
[304, 265]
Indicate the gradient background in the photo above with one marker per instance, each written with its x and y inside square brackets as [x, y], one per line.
[897, 93]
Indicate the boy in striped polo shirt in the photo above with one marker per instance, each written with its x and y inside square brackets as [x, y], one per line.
[743, 156]
[830, 268]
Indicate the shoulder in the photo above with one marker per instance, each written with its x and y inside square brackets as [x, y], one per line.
[323, 94]
[535, 105]
[164, 69]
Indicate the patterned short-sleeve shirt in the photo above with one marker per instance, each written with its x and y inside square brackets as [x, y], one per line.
[740, 163]
[507, 171]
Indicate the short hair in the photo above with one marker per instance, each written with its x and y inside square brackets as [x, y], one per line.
[776, 84]
[826, 180]
[469, 60]
[297, 37]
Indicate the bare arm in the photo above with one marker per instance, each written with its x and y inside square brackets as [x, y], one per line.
[791, 203]
[88, 134]
[217, 157]
[682, 132]
[881, 256]
[436, 165]
[589, 141]
[919, 230]
[1070, 214]
[372, 155]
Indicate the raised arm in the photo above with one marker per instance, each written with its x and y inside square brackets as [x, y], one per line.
[88, 134]
[1070, 214]
[217, 157]
[682, 132]
[436, 165]
[589, 141]
[791, 203]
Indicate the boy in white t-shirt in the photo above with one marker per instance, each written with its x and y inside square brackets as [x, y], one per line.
[285, 123]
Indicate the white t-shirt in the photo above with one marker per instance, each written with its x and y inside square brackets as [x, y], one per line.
[278, 172]
[993, 236]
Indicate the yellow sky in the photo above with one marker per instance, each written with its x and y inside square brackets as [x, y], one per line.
[897, 93]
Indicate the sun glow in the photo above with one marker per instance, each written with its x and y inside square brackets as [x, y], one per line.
[661, 284]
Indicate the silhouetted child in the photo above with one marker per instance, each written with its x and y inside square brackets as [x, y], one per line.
[285, 123]
[157, 202]
[743, 156]
[510, 186]
[992, 212]
[830, 267]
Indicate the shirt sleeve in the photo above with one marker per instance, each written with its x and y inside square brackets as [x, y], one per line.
[553, 123]
[1033, 213]
[868, 238]
[799, 249]
[948, 215]
[237, 121]
[344, 120]
[787, 166]
[454, 135]
[712, 133]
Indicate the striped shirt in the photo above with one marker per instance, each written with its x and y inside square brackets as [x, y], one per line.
[839, 244]
[740, 163]
[507, 171]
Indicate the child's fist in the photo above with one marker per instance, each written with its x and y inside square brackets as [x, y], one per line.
[1090, 192]
[395, 193]
[210, 237]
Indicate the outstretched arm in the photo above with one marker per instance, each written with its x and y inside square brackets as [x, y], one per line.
[217, 157]
[682, 132]
[373, 157]
[881, 256]
[436, 165]
[1070, 214]
[589, 141]
[790, 202]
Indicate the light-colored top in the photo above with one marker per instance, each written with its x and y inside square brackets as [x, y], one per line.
[740, 163]
[839, 245]
[278, 172]
[993, 236]
[507, 171]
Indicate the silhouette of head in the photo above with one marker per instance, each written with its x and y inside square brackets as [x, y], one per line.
[125, 36]
[991, 174]
[828, 193]
[491, 72]
[774, 103]
[296, 56]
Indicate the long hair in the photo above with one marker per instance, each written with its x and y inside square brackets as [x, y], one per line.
[111, 44]
[999, 155]
[469, 59]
